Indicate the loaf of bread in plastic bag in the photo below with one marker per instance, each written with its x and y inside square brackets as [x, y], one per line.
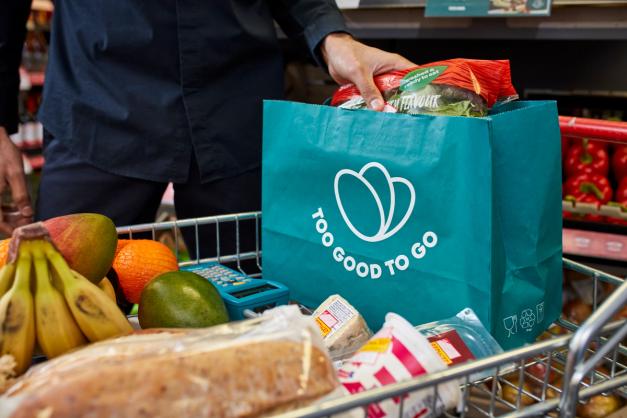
[237, 370]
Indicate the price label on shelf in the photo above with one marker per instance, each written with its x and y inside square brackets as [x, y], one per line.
[583, 242]
[615, 247]
[595, 244]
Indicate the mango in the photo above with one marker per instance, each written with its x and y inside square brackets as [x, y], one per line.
[181, 299]
[87, 241]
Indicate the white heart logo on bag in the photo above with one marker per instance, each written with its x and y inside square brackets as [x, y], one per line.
[416, 248]
[384, 231]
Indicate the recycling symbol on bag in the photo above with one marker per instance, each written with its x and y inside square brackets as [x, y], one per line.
[527, 319]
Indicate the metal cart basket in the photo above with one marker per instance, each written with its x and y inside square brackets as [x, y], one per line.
[575, 356]
[579, 362]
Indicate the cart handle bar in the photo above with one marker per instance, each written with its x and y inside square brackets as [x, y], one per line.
[576, 368]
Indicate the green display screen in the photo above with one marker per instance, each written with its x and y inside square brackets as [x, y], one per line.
[243, 293]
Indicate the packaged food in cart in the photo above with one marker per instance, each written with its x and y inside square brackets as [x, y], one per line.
[396, 353]
[343, 328]
[272, 363]
[460, 339]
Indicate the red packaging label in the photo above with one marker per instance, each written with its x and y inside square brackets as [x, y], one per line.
[451, 348]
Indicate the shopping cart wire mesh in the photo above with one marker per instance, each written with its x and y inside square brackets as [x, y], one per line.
[578, 361]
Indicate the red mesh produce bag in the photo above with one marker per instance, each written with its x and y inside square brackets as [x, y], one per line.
[456, 87]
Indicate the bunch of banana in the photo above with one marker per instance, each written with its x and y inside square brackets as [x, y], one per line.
[43, 301]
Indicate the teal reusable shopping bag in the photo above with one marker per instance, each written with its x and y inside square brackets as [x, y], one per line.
[418, 215]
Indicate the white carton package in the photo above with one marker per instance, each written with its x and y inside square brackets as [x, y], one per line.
[396, 353]
[343, 328]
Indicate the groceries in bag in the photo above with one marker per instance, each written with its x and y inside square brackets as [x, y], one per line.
[248, 368]
[456, 87]
[396, 353]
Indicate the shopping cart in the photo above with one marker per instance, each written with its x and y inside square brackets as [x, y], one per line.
[588, 360]
[575, 356]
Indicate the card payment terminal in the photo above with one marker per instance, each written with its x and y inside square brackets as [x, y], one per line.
[239, 291]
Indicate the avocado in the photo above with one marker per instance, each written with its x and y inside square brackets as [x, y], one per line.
[181, 299]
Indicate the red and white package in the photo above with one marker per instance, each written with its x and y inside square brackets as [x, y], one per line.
[396, 353]
[455, 87]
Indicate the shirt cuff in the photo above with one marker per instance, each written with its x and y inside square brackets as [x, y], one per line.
[316, 32]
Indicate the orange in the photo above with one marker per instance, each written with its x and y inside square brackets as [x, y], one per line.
[4, 251]
[121, 244]
[138, 262]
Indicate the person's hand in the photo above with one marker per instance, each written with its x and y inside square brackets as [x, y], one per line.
[12, 176]
[350, 61]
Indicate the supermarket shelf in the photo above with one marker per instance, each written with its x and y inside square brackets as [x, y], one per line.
[604, 130]
[578, 22]
[607, 240]
[601, 245]
[582, 208]
[384, 4]
[610, 94]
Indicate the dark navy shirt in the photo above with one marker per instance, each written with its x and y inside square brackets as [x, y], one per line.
[135, 86]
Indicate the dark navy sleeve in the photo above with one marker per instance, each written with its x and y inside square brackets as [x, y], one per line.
[13, 15]
[309, 21]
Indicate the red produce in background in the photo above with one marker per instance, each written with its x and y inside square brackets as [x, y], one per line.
[621, 191]
[601, 144]
[565, 146]
[587, 157]
[587, 188]
[620, 199]
[619, 162]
